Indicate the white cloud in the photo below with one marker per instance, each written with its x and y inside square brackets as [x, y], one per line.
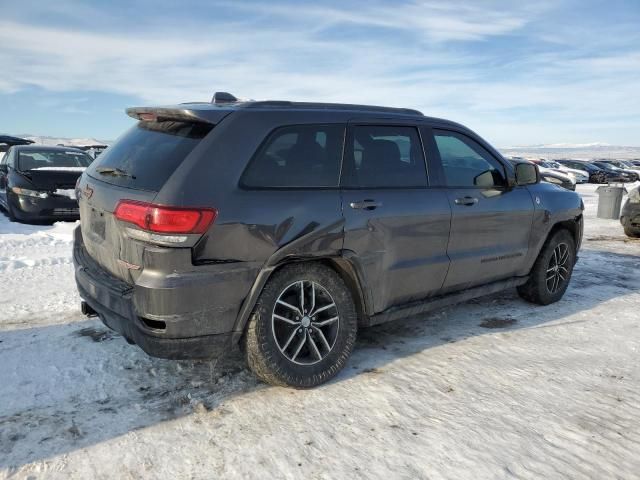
[423, 55]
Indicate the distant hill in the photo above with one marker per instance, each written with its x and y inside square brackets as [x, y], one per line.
[568, 150]
[76, 142]
[550, 151]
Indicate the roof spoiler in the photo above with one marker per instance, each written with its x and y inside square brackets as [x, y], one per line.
[176, 114]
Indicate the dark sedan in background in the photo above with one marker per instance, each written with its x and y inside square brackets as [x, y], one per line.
[37, 182]
[621, 175]
[596, 174]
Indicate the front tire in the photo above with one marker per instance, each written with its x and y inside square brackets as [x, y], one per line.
[632, 232]
[551, 273]
[303, 327]
[10, 213]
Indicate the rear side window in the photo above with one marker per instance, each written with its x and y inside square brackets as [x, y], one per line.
[147, 155]
[297, 156]
[384, 157]
[466, 163]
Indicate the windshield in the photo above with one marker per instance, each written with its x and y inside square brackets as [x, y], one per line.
[50, 159]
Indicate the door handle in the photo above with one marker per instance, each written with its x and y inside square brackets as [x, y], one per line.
[468, 201]
[365, 205]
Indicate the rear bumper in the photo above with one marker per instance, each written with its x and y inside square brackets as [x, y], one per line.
[175, 323]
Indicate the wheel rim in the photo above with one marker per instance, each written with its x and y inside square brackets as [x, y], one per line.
[305, 322]
[558, 269]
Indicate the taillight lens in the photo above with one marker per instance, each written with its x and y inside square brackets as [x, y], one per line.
[163, 219]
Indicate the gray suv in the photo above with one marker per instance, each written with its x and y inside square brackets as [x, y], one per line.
[283, 227]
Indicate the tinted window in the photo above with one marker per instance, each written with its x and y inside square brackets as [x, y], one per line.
[49, 159]
[298, 156]
[466, 163]
[149, 153]
[384, 156]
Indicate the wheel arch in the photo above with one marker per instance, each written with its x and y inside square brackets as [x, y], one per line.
[573, 226]
[342, 265]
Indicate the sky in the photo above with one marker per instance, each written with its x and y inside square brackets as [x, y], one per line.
[518, 73]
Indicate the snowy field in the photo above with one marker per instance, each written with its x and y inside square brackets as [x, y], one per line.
[494, 388]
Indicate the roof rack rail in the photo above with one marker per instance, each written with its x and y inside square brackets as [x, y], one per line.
[330, 106]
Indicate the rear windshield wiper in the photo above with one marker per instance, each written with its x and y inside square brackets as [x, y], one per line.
[117, 172]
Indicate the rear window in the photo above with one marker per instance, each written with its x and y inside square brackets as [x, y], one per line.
[384, 157]
[298, 156]
[46, 159]
[145, 157]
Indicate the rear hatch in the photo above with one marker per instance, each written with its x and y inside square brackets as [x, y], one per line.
[132, 172]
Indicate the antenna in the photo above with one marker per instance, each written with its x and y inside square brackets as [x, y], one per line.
[223, 97]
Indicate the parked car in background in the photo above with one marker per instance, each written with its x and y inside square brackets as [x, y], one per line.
[7, 141]
[37, 182]
[579, 175]
[619, 174]
[596, 174]
[556, 177]
[283, 226]
[625, 166]
[630, 214]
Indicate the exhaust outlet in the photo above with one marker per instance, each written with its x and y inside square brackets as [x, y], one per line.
[86, 309]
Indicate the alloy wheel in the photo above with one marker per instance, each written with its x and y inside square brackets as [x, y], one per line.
[558, 271]
[305, 322]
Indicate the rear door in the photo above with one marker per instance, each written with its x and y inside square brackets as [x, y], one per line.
[396, 226]
[135, 168]
[491, 222]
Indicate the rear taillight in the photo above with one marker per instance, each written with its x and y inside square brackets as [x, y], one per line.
[163, 219]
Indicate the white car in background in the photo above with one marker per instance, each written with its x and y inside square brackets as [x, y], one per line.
[579, 175]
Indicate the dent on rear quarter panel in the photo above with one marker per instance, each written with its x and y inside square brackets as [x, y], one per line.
[253, 224]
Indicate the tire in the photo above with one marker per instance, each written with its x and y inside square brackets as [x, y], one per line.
[547, 283]
[274, 347]
[632, 232]
[10, 213]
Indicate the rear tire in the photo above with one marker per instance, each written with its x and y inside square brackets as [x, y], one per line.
[301, 339]
[551, 273]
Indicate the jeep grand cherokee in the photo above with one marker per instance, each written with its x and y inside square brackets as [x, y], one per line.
[284, 226]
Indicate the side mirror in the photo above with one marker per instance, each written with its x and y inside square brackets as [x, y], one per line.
[4, 168]
[527, 174]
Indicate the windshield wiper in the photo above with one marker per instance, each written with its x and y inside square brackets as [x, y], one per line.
[117, 172]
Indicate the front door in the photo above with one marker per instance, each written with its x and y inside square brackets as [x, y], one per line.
[490, 223]
[396, 226]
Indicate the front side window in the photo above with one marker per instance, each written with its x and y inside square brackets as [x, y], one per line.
[384, 157]
[466, 163]
[298, 156]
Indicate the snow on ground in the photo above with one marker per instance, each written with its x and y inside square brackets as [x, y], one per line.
[494, 388]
